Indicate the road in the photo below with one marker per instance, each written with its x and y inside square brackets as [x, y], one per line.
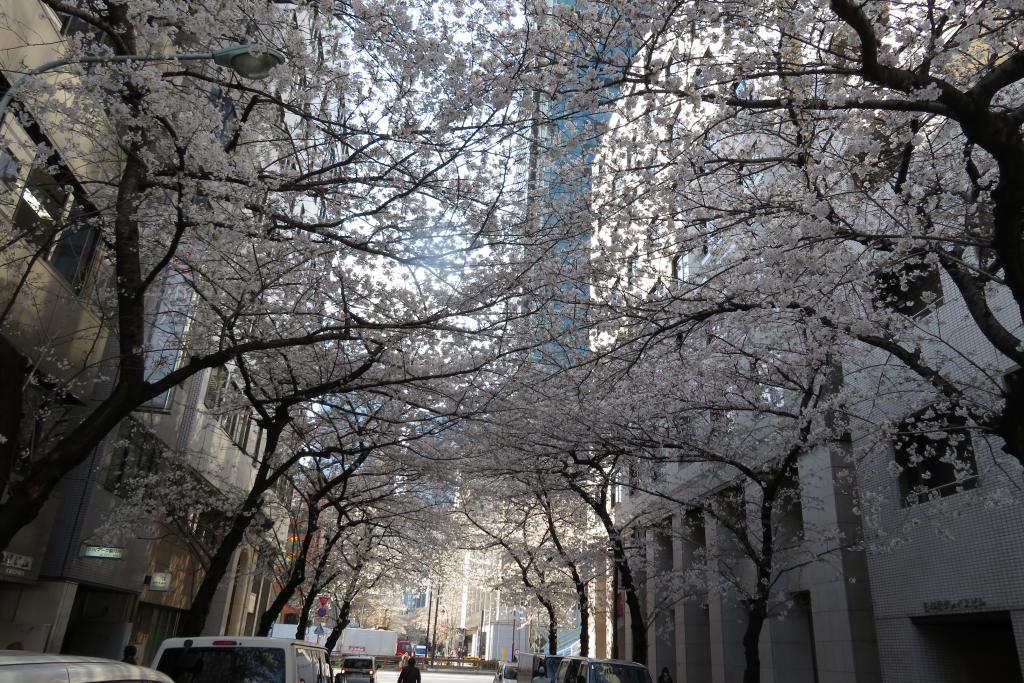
[439, 677]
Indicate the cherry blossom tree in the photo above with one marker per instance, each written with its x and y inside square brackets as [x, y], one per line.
[356, 198]
[848, 150]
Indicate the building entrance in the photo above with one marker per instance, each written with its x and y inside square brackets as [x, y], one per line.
[973, 648]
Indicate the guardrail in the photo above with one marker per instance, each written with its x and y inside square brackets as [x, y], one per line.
[434, 663]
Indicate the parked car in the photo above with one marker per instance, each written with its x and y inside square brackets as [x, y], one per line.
[242, 659]
[507, 672]
[19, 666]
[358, 669]
[569, 669]
[551, 663]
[535, 667]
[610, 671]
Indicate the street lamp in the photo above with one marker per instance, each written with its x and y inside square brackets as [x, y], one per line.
[248, 61]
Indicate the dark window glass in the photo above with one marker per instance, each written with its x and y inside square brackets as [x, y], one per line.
[40, 207]
[74, 246]
[551, 665]
[910, 286]
[224, 665]
[66, 237]
[213, 388]
[358, 663]
[936, 458]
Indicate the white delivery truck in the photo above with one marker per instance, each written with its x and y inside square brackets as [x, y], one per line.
[367, 641]
[289, 630]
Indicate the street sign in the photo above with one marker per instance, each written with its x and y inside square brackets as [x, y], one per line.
[323, 600]
[319, 630]
[321, 612]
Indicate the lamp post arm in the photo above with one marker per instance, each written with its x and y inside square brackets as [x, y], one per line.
[112, 59]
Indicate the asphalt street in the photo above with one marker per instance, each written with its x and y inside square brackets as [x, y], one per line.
[439, 677]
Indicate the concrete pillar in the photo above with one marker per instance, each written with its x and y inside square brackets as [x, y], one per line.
[844, 628]
[235, 622]
[726, 618]
[36, 614]
[216, 622]
[599, 615]
[692, 634]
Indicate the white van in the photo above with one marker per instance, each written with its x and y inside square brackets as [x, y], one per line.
[19, 666]
[231, 659]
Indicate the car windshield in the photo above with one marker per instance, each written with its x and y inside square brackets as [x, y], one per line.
[224, 664]
[358, 663]
[618, 673]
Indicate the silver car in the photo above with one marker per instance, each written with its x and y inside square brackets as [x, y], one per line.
[358, 669]
[18, 666]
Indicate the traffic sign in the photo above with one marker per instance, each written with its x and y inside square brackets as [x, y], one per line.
[321, 612]
[323, 600]
[319, 630]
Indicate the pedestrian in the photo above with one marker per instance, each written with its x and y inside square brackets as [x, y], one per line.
[410, 674]
[665, 676]
[130, 653]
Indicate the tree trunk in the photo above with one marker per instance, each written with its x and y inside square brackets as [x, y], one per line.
[194, 619]
[315, 586]
[637, 627]
[751, 642]
[552, 626]
[307, 607]
[433, 639]
[615, 616]
[583, 604]
[335, 634]
[298, 573]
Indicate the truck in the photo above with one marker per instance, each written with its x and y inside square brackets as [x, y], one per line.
[367, 641]
[289, 630]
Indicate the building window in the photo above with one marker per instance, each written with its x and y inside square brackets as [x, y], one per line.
[681, 266]
[51, 216]
[633, 472]
[909, 286]
[215, 388]
[136, 457]
[633, 270]
[936, 458]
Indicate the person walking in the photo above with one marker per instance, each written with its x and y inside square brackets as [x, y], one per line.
[130, 654]
[665, 676]
[410, 674]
